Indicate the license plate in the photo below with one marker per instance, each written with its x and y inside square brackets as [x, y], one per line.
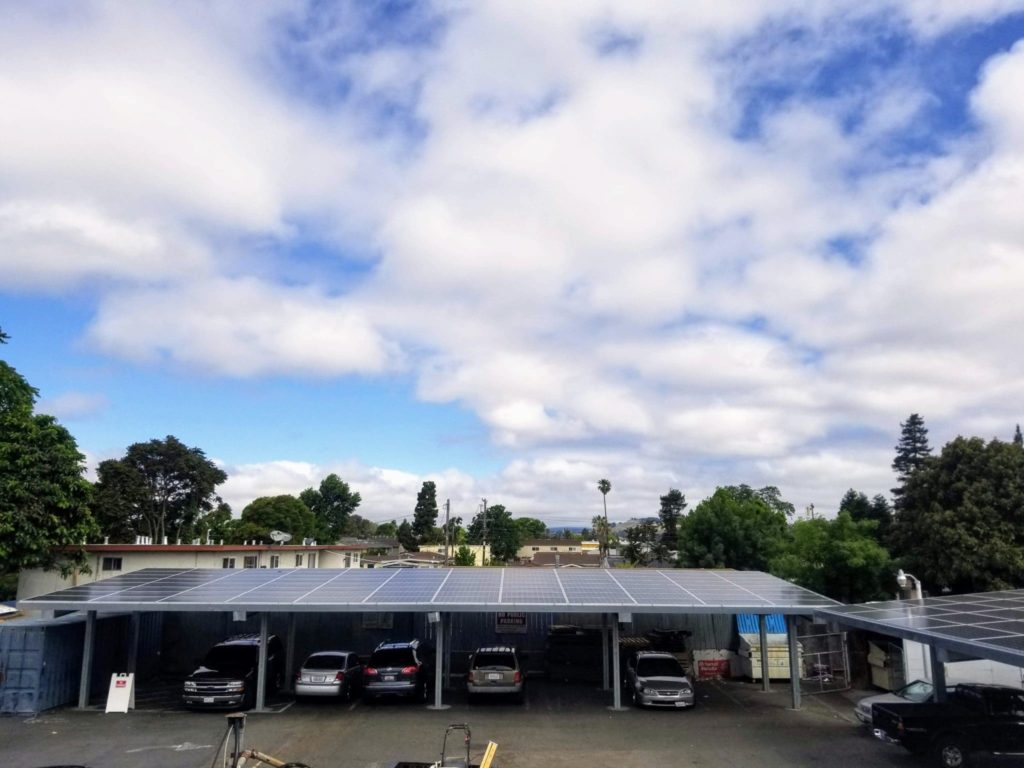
[680, 703]
[389, 678]
[494, 676]
[207, 699]
[318, 678]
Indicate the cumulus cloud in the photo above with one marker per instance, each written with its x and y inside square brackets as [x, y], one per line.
[73, 405]
[594, 232]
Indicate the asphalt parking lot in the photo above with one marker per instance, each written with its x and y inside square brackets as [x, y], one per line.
[734, 724]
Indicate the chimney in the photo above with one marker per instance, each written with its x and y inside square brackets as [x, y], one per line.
[106, 539]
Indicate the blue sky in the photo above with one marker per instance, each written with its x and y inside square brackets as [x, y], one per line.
[517, 247]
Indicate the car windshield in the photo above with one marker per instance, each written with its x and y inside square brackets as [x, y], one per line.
[223, 656]
[494, 661]
[916, 691]
[661, 667]
[392, 657]
[325, 661]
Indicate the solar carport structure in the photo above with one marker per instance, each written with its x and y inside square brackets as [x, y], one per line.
[986, 625]
[437, 592]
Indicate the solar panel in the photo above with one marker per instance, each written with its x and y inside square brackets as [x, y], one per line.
[988, 625]
[462, 589]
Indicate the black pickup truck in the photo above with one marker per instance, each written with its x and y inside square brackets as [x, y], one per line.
[973, 718]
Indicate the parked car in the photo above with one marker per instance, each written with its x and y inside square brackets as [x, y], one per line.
[330, 673]
[226, 677]
[916, 692]
[495, 670]
[657, 679]
[973, 718]
[399, 670]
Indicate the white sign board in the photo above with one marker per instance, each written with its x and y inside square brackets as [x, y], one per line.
[121, 696]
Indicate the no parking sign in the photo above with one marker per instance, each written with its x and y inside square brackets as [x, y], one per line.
[121, 696]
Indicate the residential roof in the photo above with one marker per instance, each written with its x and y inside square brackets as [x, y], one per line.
[552, 543]
[141, 548]
[469, 589]
[566, 559]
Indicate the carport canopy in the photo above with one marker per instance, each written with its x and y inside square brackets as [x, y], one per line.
[438, 591]
[986, 625]
[538, 590]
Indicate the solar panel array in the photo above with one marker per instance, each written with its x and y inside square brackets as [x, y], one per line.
[447, 589]
[992, 622]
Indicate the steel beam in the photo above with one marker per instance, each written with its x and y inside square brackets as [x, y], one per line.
[794, 661]
[261, 675]
[133, 642]
[938, 673]
[438, 664]
[289, 656]
[762, 631]
[616, 672]
[85, 681]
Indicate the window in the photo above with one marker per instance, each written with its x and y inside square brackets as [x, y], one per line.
[553, 549]
[275, 561]
[111, 564]
[312, 559]
[535, 549]
[298, 561]
[227, 562]
[249, 561]
[572, 549]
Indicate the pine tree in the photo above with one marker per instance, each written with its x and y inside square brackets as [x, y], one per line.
[911, 452]
[672, 505]
[1018, 439]
[425, 516]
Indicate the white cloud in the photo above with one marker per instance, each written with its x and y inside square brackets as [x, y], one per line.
[73, 405]
[243, 327]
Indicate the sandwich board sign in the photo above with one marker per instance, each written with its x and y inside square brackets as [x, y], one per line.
[121, 696]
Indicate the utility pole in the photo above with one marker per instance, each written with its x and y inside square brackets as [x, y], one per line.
[447, 533]
[483, 554]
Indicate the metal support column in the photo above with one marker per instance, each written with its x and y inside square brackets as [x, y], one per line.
[616, 672]
[794, 661]
[438, 663]
[446, 623]
[133, 643]
[762, 630]
[289, 655]
[261, 675]
[605, 641]
[85, 681]
[938, 673]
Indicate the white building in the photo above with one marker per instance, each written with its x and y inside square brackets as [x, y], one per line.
[106, 560]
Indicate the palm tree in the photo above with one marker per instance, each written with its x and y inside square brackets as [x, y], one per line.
[604, 486]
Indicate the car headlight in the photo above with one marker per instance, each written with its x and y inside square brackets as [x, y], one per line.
[236, 685]
[189, 685]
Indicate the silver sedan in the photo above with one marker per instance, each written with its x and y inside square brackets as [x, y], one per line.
[657, 679]
[330, 673]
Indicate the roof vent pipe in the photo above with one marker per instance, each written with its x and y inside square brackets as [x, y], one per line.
[106, 539]
[163, 540]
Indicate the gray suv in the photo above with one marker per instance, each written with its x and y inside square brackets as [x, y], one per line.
[398, 670]
[495, 670]
[657, 679]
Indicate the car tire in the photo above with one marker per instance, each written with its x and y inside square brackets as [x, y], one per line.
[635, 697]
[951, 752]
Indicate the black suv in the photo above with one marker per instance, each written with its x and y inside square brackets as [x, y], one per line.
[226, 678]
[402, 670]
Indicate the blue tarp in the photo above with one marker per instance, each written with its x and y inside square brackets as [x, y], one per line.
[746, 623]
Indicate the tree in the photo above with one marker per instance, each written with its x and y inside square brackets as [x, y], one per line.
[734, 528]
[44, 499]
[359, 527]
[912, 451]
[531, 528]
[959, 523]
[276, 513]
[387, 530]
[839, 558]
[425, 514]
[604, 487]
[216, 525]
[465, 556]
[672, 505]
[407, 538]
[332, 504]
[503, 539]
[641, 542]
[456, 533]
[1018, 438]
[160, 488]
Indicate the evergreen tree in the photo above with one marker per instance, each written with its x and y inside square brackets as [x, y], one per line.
[672, 505]
[425, 515]
[332, 504]
[911, 452]
[1018, 438]
[876, 511]
[406, 537]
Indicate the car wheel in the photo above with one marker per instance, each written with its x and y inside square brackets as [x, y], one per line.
[635, 698]
[952, 752]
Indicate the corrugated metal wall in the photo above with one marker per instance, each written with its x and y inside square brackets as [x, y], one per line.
[41, 659]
